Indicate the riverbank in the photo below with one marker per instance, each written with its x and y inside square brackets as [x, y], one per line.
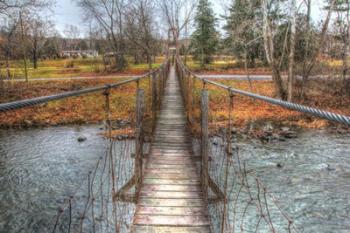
[248, 113]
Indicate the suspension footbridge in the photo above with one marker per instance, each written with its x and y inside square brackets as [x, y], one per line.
[187, 177]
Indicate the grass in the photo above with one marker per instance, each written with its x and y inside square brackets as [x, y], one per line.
[61, 68]
[229, 65]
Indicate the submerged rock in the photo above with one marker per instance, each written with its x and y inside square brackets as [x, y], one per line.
[82, 139]
[288, 133]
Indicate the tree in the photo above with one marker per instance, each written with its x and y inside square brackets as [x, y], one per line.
[140, 27]
[272, 23]
[310, 61]
[51, 47]
[38, 32]
[8, 6]
[108, 14]
[291, 56]
[177, 14]
[243, 35]
[342, 25]
[8, 43]
[205, 37]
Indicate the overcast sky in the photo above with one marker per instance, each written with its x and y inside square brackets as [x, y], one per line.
[67, 12]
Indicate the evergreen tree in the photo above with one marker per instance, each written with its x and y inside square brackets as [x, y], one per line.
[242, 32]
[204, 40]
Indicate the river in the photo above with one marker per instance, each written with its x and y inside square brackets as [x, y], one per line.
[41, 167]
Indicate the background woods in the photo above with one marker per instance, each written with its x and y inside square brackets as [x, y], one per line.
[287, 39]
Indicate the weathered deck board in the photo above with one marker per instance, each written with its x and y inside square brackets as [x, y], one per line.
[171, 198]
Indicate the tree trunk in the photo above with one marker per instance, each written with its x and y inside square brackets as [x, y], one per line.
[306, 53]
[269, 52]
[2, 88]
[291, 53]
[8, 72]
[246, 69]
[149, 60]
[24, 50]
[120, 62]
[35, 60]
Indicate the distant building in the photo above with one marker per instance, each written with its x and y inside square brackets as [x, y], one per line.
[79, 53]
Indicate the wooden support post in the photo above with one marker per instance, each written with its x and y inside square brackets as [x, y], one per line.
[189, 99]
[205, 142]
[154, 100]
[159, 90]
[140, 102]
[193, 94]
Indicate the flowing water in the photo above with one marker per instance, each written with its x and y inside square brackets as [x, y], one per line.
[41, 167]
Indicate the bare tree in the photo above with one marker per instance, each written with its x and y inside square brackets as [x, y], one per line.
[178, 14]
[310, 62]
[38, 31]
[109, 15]
[140, 27]
[8, 32]
[71, 31]
[8, 6]
[23, 30]
[270, 50]
[270, 26]
[342, 25]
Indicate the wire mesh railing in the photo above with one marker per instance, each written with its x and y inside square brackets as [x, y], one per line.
[238, 200]
[104, 202]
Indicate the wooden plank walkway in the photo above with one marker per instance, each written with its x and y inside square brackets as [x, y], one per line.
[171, 198]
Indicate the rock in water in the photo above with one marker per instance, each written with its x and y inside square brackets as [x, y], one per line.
[82, 139]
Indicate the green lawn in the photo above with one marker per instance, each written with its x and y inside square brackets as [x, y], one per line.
[69, 68]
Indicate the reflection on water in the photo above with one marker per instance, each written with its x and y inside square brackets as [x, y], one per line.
[39, 168]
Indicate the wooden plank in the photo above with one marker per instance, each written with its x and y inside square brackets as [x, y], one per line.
[171, 194]
[166, 229]
[162, 202]
[175, 188]
[170, 166]
[145, 210]
[188, 171]
[171, 182]
[161, 220]
[165, 162]
[172, 176]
